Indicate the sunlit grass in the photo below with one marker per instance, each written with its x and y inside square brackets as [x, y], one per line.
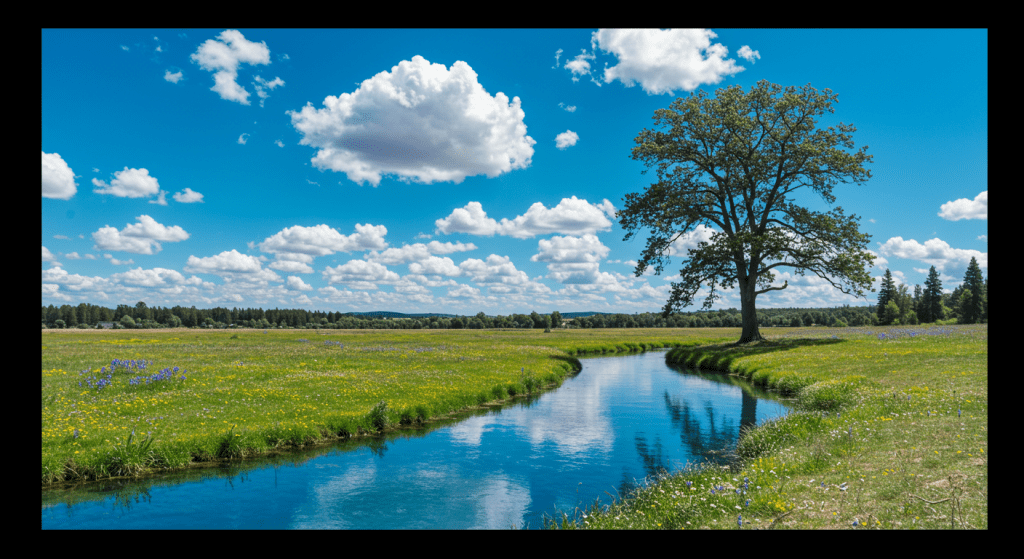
[245, 392]
[892, 434]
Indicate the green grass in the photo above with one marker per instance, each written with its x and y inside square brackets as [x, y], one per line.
[248, 392]
[891, 434]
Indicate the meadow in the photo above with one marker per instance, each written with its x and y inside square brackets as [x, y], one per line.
[134, 402]
[891, 433]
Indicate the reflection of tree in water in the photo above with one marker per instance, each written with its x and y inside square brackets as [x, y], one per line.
[654, 462]
[378, 446]
[720, 437]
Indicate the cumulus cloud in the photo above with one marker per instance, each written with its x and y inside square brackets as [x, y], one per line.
[435, 266]
[566, 139]
[571, 216]
[155, 277]
[223, 56]
[58, 178]
[663, 61]
[420, 122]
[231, 265]
[295, 283]
[161, 199]
[188, 196]
[48, 256]
[129, 183]
[361, 274]
[142, 237]
[244, 137]
[936, 252]
[417, 252]
[748, 54]
[173, 78]
[580, 66]
[570, 249]
[568, 108]
[302, 244]
[496, 270]
[966, 209]
[573, 259]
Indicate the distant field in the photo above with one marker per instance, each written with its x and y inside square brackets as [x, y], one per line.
[228, 393]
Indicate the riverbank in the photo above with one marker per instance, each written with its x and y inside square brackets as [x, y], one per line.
[892, 434]
[134, 402]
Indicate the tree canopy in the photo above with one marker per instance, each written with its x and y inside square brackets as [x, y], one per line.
[731, 164]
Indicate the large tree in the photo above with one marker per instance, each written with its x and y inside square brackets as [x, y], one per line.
[728, 167]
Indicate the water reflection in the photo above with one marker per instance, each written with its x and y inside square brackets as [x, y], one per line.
[620, 420]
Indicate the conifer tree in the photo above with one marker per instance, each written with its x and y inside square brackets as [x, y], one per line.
[972, 308]
[886, 293]
[931, 298]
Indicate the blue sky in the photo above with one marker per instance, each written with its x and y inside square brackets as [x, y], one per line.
[460, 171]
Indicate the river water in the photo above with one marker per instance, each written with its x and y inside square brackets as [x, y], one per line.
[601, 433]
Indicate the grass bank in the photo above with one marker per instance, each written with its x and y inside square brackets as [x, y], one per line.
[891, 433]
[130, 402]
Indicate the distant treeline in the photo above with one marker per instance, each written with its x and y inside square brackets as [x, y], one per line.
[86, 315]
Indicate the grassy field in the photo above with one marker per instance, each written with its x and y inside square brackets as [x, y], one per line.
[892, 434]
[128, 402]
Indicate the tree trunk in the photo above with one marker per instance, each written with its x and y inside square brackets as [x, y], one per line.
[751, 332]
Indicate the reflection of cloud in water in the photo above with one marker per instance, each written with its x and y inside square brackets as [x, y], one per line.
[414, 497]
[470, 430]
[330, 495]
[504, 503]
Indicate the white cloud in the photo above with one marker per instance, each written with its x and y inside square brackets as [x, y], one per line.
[936, 252]
[558, 54]
[302, 244]
[173, 78]
[566, 139]
[58, 178]
[568, 108]
[188, 196]
[143, 237]
[71, 256]
[243, 138]
[571, 216]
[161, 199]
[464, 291]
[48, 256]
[223, 57]
[129, 183]
[966, 209]
[570, 249]
[662, 61]
[420, 122]
[231, 265]
[417, 252]
[263, 85]
[279, 143]
[748, 54]
[292, 266]
[496, 270]
[155, 277]
[580, 66]
[435, 266]
[360, 272]
[65, 237]
[117, 262]
[296, 283]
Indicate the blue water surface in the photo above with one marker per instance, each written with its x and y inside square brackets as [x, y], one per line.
[600, 434]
